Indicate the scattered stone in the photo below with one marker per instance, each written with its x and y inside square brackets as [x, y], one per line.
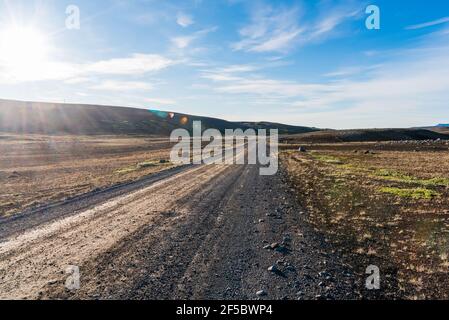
[274, 245]
[261, 293]
[276, 271]
[273, 269]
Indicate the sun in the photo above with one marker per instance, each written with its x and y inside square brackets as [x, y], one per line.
[22, 50]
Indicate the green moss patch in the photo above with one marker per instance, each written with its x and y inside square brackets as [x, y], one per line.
[395, 176]
[327, 159]
[416, 193]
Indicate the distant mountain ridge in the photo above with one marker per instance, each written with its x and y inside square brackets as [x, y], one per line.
[369, 135]
[57, 118]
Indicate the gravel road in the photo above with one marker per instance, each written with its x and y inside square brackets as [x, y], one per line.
[198, 232]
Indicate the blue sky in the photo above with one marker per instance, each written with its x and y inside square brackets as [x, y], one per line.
[303, 62]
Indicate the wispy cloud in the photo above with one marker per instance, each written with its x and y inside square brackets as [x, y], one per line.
[111, 85]
[403, 87]
[428, 24]
[351, 71]
[136, 64]
[270, 30]
[280, 29]
[327, 24]
[273, 88]
[239, 72]
[182, 42]
[160, 101]
[184, 20]
[228, 73]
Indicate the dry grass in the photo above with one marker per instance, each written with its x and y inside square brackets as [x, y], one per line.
[388, 208]
[38, 169]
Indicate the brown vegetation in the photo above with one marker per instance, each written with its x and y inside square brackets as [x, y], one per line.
[36, 169]
[381, 207]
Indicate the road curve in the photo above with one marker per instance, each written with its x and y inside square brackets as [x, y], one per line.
[199, 233]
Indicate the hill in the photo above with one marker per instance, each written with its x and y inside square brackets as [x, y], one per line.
[54, 118]
[368, 135]
[441, 128]
[283, 128]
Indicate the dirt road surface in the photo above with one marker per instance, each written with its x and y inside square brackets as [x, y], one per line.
[199, 232]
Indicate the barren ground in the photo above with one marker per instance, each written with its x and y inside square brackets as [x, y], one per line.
[201, 233]
[36, 170]
[385, 204]
[212, 232]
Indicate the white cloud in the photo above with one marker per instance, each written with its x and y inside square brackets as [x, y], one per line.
[136, 64]
[184, 20]
[428, 24]
[160, 101]
[327, 25]
[399, 92]
[219, 77]
[278, 42]
[43, 71]
[237, 68]
[77, 80]
[227, 73]
[110, 85]
[273, 88]
[278, 30]
[352, 70]
[183, 42]
[270, 30]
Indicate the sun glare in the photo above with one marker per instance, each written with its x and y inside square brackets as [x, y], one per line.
[23, 50]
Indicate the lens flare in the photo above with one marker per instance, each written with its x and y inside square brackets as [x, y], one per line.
[184, 120]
